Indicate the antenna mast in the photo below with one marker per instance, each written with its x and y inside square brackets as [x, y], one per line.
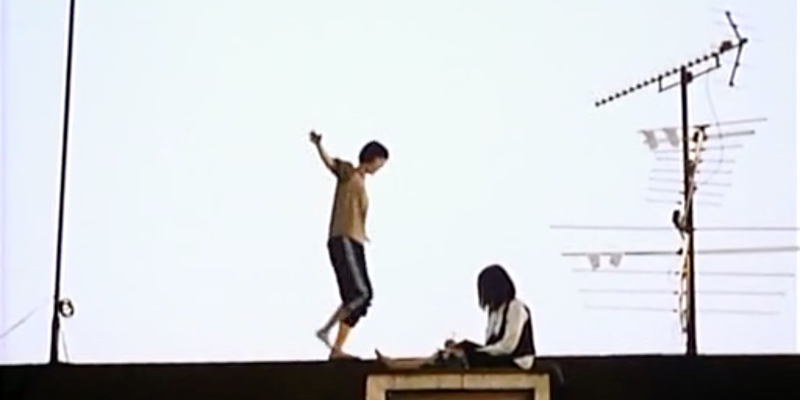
[684, 218]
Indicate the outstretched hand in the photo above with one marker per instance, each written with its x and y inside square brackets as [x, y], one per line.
[314, 137]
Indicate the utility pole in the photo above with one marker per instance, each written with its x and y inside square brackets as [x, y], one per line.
[685, 218]
[62, 306]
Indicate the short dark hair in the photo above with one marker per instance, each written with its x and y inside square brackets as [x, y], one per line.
[371, 151]
[495, 287]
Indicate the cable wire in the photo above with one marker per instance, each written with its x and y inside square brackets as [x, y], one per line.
[64, 344]
[735, 250]
[676, 272]
[717, 126]
[676, 292]
[22, 320]
[673, 310]
[672, 228]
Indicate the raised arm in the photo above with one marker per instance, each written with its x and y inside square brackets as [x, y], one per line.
[329, 162]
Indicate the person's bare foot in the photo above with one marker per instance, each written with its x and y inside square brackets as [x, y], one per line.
[322, 335]
[338, 354]
[400, 363]
[387, 361]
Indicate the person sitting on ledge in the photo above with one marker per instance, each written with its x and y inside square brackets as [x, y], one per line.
[509, 334]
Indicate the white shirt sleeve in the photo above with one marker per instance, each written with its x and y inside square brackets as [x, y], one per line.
[515, 323]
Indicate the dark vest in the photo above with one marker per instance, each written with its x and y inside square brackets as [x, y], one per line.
[525, 347]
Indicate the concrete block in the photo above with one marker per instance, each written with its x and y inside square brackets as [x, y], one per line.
[473, 382]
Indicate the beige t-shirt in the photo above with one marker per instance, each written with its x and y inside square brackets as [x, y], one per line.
[350, 202]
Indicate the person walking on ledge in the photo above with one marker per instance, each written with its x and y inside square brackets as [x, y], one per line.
[346, 239]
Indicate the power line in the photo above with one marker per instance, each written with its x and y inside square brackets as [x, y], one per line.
[737, 250]
[707, 161]
[675, 311]
[675, 171]
[671, 272]
[676, 292]
[677, 202]
[64, 345]
[680, 192]
[631, 308]
[720, 184]
[23, 320]
[672, 228]
[740, 312]
[702, 148]
[704, 125]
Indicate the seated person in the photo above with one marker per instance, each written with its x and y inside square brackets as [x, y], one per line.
[509, 334]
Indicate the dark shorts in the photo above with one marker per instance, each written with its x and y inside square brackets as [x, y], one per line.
[350, 266]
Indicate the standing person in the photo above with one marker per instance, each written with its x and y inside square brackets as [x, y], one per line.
[346, 237]
[509, 332]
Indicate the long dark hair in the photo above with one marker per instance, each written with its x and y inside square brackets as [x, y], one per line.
[495, 287]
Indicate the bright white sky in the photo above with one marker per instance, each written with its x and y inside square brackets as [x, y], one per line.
[197, 210]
